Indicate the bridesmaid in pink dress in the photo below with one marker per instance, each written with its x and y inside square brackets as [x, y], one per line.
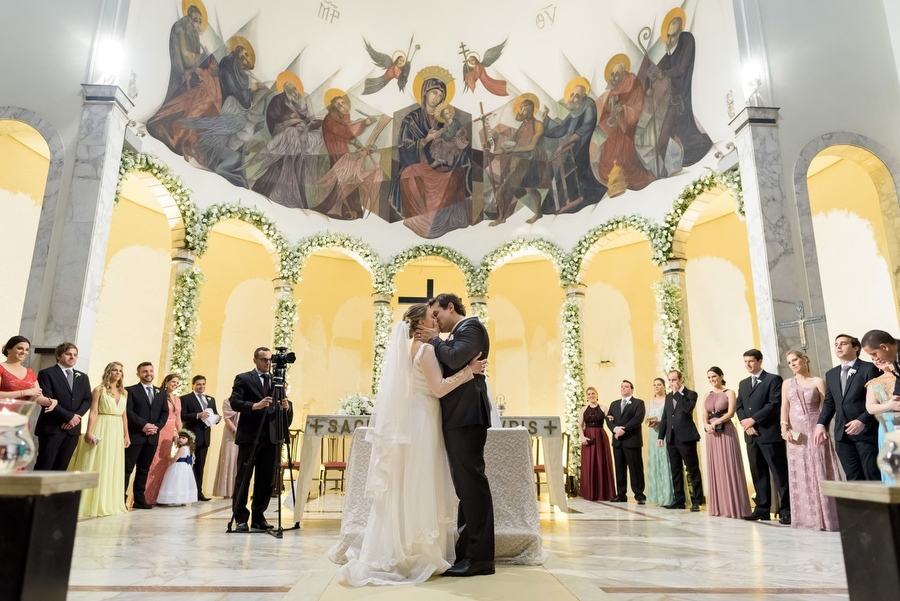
[163, 458]
[808, 463]
[727, 483]
[17, 382]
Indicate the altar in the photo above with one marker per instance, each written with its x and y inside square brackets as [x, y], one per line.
[509, 468]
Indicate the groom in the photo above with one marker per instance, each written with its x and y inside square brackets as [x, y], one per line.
[465, 417]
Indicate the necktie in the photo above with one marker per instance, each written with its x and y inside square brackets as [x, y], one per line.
[203, 402]
[70, 378]
[149, 395]
[266, 385]
[625, 403]
[844, 370]
[753, 382]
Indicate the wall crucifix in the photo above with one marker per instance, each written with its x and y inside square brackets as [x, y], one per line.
[412, 300]
[801, 323]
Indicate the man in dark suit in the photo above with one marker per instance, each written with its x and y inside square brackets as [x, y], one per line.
[624, 419]
[679, 432]
[759, 409]
[855, 429]
[259, 440]
[197, 406]
[58, 430]
[465, 418]
[880, 345]
[147, 410]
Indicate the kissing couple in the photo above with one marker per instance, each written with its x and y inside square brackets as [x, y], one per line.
[432, 412]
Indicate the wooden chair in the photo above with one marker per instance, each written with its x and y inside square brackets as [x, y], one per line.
[334, 459]
[290, 462]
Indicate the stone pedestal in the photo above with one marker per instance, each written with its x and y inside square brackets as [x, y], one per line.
[38, 516]
[66, 309]
[784, 272]
[869, 514]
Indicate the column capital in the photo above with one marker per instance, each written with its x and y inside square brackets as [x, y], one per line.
[674, 266]
[766, 116]
[97, 93]
[478, 300]
[575, 291]
[183, 255]
[381, 299]
[283, 287]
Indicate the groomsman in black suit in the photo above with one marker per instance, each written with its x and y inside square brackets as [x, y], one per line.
[625, 419]
[759, 409]
[880, 345]
[258, 428]
[58, 430]
[678, 430]
[197, 406]
[855, 429]
[147, 410]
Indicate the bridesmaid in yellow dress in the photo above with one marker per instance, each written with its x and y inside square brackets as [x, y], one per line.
[102, 449]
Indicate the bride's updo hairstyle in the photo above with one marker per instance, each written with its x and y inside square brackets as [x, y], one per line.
[413, 316]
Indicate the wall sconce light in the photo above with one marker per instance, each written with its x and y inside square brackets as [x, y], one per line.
[107, 62]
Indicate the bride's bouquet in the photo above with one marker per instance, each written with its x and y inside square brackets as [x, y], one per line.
[355, 403]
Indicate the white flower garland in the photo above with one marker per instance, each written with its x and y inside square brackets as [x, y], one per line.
[474, 286]
[573, 362]
[668, 302]
[517, 247]
[185, 307]
[571, 267]
[285, 319]
[360, 249]
[384, 317]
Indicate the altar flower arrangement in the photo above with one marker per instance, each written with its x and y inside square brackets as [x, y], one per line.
[355, 403]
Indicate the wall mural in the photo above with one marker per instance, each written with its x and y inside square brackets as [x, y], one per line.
[421, 165]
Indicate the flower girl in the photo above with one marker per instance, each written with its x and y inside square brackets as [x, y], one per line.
[178, 485]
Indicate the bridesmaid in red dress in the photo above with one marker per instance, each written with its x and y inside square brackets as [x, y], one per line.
[163, 458]
[596, 459]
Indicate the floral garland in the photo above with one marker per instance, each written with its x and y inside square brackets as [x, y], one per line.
[288, 267]
[185, 307]
[570, 272]
[285, 319]
[474, 283]
[668, 302]
[150, 163]
[573, 362]
[516, 247]
[362, 250]
[384, 315]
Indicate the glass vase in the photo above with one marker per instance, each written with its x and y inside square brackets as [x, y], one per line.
[889, 455]
[17, 448]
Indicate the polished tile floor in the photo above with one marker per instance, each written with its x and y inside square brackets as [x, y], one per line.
[597, 551]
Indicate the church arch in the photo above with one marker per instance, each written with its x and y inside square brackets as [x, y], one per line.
[692, 215]
[257, 225]
[163, 194]
[474, 284]
[523, 247]
[356, 249]
[604, 238]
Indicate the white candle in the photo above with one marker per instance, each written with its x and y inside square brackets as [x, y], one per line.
[11, 419]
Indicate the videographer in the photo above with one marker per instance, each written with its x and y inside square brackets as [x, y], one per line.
[259, 435]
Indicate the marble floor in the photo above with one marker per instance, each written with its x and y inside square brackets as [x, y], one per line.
[597, 551]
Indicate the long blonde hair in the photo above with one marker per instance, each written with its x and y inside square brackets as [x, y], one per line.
[120, 386]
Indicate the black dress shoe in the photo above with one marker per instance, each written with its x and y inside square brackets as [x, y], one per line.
[467, 567]
[242, 527]
[785, 520]
[695, 507]
[674, 506]
[755, 516]
[202, 497]
[641, 502]
[619, 500]
[261, 525]
[141, 505]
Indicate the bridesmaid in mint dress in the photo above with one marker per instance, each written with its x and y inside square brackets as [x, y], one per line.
[808, 463]
[878, 400]
[102, 448]
[659, 474]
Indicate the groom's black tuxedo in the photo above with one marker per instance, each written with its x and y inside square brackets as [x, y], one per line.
[56, 446]
[767, 452]
[859, 452]
[466, 416]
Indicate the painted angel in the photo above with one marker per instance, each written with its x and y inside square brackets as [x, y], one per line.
[396, 67]
[474, 69]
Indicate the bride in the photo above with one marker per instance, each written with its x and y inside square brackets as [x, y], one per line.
[411, 529]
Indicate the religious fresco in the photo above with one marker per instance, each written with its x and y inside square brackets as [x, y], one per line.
[430, 164]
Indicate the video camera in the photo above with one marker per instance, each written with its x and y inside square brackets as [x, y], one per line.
[281, 359]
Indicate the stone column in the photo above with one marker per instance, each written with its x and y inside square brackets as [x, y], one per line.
[383, 318]
[673, 272]
[182, 260]
[783, 273]
[66, 309]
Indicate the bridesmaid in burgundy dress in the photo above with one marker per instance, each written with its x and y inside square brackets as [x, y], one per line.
[597, 482]
[808, 463]
[727, 483]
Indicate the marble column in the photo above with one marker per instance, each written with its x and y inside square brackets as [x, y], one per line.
[673, 272]
[783, 273]
[66, 309]
[182, 260]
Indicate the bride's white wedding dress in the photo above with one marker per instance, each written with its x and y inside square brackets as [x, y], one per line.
[411, 529]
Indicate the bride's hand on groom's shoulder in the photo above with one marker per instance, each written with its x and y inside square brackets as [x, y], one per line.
[477, 365]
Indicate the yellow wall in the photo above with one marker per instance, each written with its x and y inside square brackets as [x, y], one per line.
[23, 175]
